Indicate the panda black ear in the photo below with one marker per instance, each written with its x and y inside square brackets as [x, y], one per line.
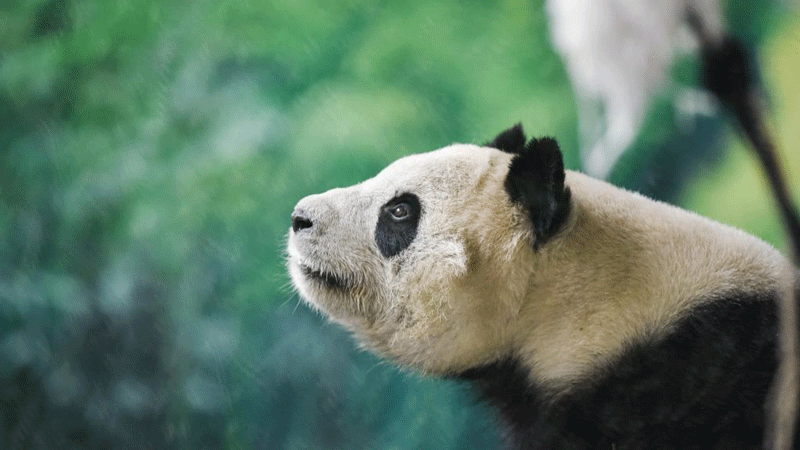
[535, 181]
[511, 140]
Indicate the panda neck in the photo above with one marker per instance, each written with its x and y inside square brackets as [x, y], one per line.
[625, 268]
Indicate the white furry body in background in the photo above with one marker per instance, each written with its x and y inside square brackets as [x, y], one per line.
[617, 54]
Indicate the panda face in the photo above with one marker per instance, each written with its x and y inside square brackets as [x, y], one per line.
[396, 259]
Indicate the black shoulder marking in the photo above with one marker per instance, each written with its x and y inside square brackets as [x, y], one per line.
[511, 140]
[703, 385]
[394, 233]
[528, 419]
[535, 180]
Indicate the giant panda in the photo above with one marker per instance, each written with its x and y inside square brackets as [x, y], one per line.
[587, 315]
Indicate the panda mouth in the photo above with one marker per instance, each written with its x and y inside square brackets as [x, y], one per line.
[330, 280]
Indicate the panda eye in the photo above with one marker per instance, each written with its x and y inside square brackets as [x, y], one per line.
[397, 225]
[400, 211]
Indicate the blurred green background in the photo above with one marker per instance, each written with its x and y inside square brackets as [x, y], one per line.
[150, 155]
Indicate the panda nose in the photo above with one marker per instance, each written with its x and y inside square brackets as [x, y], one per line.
[300, 220]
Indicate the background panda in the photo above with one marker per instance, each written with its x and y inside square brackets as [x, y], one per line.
[591, 317]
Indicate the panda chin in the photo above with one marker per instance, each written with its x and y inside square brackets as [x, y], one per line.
[327, 279]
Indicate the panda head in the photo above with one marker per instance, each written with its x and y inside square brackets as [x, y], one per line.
[428, 262]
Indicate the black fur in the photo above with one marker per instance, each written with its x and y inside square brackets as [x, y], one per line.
[393, 235]
[511, 140]
[703, 386]
[535, 180]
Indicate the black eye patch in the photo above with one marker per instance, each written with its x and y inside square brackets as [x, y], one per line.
[397, 224]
